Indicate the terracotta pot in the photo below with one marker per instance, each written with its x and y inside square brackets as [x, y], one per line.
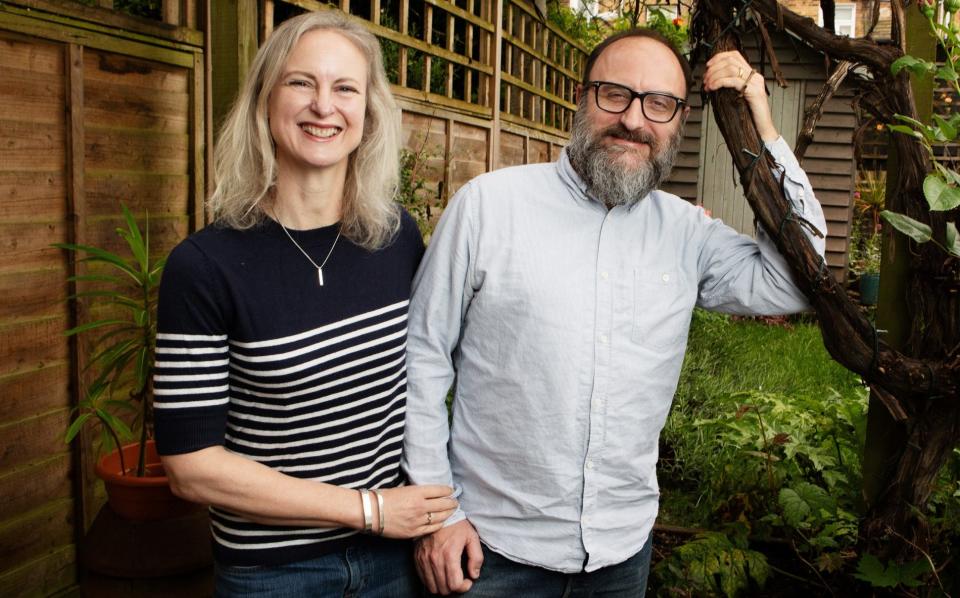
[146, 498]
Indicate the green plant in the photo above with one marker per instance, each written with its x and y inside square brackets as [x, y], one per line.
[123, 354]
[869, 198]
[713, 564]
[865, 251]
[676, 30]
[941, 188]
[412, 192]
[756, 440]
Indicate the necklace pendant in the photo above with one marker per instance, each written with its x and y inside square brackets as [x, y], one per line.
[320, 276]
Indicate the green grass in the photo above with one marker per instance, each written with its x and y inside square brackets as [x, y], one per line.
[727, 356]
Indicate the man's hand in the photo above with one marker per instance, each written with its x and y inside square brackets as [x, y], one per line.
[439, 558]
[731, 70]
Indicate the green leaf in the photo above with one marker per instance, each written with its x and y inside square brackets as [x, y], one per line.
[913, 65]
[75, 427]
[953, 239]
[947, 199]
[905, 130]
[871, 570]
[917, 231]
[911, 573]
[933, 187]
[948, 130]
[795, 509]
[946, 73]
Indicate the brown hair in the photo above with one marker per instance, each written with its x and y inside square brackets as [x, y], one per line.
[640, 32]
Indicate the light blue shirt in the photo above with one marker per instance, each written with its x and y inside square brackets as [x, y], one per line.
[564, 325]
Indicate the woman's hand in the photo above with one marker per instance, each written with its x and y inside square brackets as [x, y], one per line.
[413, 511]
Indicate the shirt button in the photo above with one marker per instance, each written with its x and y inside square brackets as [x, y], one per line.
[604, 275]
[603, 339]
[665, 278]
[589, 464]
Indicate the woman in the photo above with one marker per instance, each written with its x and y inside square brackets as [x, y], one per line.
[280, 385]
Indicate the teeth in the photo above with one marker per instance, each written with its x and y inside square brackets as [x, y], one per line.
[323, 132]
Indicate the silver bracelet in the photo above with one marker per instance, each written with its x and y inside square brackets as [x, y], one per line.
[380, 508]
[367, 510]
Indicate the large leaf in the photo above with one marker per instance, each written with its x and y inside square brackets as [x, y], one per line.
[917, 66]
[872, 571]
[940, 196]
[795, 509]
[914, 229]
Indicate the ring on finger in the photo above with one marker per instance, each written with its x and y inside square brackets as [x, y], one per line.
[429, 518]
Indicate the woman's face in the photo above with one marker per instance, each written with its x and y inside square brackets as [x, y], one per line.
[317, 107]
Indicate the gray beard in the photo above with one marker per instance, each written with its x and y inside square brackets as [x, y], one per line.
[606, 179]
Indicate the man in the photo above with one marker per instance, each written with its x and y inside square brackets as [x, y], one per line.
[559, 297]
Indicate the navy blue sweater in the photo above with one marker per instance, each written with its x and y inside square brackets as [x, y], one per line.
[253, 354]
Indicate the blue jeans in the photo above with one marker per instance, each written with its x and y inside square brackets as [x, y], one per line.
[502, 578]
[383, 570]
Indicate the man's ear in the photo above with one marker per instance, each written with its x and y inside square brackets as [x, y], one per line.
[684, 114]
[577, 93]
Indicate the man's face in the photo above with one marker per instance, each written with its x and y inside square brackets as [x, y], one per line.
[622, 157]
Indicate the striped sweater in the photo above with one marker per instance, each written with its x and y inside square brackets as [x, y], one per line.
[254, 355]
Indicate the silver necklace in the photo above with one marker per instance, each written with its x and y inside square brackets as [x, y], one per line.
[307, 255]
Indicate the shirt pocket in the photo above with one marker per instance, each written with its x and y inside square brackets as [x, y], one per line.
[662, 306]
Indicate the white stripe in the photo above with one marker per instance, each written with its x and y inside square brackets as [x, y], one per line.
[312, 414]
[317, 346]
[321, 329]
[191, 364]
[201, 390]
[191, 377]
[263, 545]
[314, 440]
[190, 350]
[189, 404]
[168, 336]
[333, 477]
[323, 373]
[267, 532]
[341, 461]
[396, 370]
[324, 358]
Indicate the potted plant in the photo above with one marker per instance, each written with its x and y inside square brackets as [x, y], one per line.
[121, 366]
[865, 238]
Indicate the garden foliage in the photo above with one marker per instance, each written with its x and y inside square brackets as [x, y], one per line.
[764, 447]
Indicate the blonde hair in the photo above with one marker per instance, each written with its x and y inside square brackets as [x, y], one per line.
[245, 164]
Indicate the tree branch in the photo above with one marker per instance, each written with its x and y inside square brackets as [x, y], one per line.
[849, 337]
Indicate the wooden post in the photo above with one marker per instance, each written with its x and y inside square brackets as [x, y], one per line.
[884, 436]
[266, 25]
[83, 453]
[233, 46]
[402, 54]
[170, 11]
[197, 142]
[493, 149]
[451, 31]
[427, 37]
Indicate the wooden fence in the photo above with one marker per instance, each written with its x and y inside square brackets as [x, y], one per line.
[95, 107]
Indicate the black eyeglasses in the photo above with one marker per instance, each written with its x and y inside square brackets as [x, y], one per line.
[615, 98]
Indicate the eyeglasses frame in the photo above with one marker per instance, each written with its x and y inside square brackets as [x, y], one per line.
[636, 95]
